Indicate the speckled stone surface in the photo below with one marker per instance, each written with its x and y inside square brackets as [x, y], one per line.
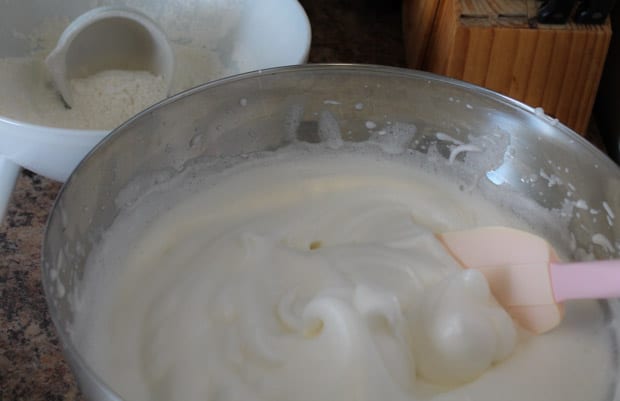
[31, 365]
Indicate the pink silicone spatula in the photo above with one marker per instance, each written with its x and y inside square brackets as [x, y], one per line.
[526, 276]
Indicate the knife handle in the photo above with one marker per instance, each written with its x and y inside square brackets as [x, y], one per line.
[555, 11]
[593, 11]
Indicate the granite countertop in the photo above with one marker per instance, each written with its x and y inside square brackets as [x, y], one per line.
[31, 364]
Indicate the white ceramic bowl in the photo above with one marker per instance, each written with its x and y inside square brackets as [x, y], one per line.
[249, 35]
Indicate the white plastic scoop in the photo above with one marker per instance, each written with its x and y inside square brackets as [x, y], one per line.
[525, 275]
[109, 38]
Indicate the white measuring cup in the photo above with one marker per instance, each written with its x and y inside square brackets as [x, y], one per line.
[109, 38]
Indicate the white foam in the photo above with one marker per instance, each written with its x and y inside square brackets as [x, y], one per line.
[395, 138]
[610, 212]
[329, 130]
[461, 149]
[603, 241]
[569, 351]
[445, 137]
[581, 204]
[552, 179]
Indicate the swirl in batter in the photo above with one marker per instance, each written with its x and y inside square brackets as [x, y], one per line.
[317, 279]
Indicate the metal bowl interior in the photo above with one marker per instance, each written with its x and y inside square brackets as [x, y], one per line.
[265, 110]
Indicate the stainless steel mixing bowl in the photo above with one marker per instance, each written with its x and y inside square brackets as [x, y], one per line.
[540, 160]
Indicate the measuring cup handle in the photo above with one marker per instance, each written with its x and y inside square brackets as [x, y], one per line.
[9, 172]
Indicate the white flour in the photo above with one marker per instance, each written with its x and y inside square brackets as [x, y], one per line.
[105, 100]
[101, 101]
[113, 95]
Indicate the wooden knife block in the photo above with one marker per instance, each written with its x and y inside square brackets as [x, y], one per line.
[498, 44]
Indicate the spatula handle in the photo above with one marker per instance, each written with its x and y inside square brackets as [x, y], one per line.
[585, 280]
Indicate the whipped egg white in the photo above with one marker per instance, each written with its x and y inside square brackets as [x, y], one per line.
[318, 278]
